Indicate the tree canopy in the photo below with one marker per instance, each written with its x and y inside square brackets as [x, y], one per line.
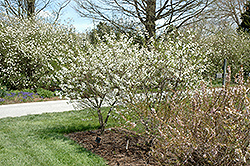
[152, 15]
[245, 24]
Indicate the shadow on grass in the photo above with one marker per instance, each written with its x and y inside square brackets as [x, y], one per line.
[59, 132]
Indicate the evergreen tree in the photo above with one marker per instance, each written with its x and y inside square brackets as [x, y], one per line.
[245, 17]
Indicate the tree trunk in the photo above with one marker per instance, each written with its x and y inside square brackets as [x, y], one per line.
[100, 117]
[150, 18]
[30, 8]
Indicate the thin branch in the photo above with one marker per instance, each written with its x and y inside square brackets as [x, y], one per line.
[45, 6]
[60, 9]
[13, 10]
[172, 11]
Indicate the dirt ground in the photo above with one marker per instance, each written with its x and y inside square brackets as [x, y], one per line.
[118, 146]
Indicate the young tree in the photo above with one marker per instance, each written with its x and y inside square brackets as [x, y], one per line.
[151, 14]
[120, 72]
[245, 24]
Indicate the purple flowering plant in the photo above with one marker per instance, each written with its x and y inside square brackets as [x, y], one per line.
[16, 96]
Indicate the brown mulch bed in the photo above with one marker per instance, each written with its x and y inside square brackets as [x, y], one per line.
[118, 146]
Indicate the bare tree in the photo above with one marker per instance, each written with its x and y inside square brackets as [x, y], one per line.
[152, 14]
[226, 11]
[29, 8]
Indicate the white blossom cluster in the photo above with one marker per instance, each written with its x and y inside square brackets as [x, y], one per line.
[103, 73]
[30, 51]
[230, 45]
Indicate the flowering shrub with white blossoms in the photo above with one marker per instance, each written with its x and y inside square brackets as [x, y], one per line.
[30, 50]
[230, 45]
[113, 71]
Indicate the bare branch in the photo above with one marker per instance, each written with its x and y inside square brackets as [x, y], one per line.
[8, 7]
[146, 12]
[30, 8]
[228, 10]
[60, 9]
[45, 6]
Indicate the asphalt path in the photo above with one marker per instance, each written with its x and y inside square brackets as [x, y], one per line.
[16, 110]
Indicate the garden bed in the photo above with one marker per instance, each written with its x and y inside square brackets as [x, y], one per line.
[27, 96]
[118, 146]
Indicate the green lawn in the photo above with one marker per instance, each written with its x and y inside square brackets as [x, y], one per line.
[36, 140]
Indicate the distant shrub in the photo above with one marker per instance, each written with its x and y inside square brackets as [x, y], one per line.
[27, 90]
[45, 93]
[230, 45]
[31, 50]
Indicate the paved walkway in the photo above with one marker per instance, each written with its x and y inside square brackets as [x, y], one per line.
[15, 110]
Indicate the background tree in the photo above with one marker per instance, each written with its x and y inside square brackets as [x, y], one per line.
[99, 31]
[29, 8]
[96, 35]
[226, 12]
[245, 24]
[151, 14]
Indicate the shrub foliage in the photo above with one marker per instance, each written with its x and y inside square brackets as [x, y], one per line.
[159, 85]
[30, 51]
[230, 45]
[105, 73]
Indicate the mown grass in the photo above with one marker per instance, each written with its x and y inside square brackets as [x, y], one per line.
[38, 140]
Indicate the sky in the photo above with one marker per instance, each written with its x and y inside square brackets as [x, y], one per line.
[81, 24]
[68, 14]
